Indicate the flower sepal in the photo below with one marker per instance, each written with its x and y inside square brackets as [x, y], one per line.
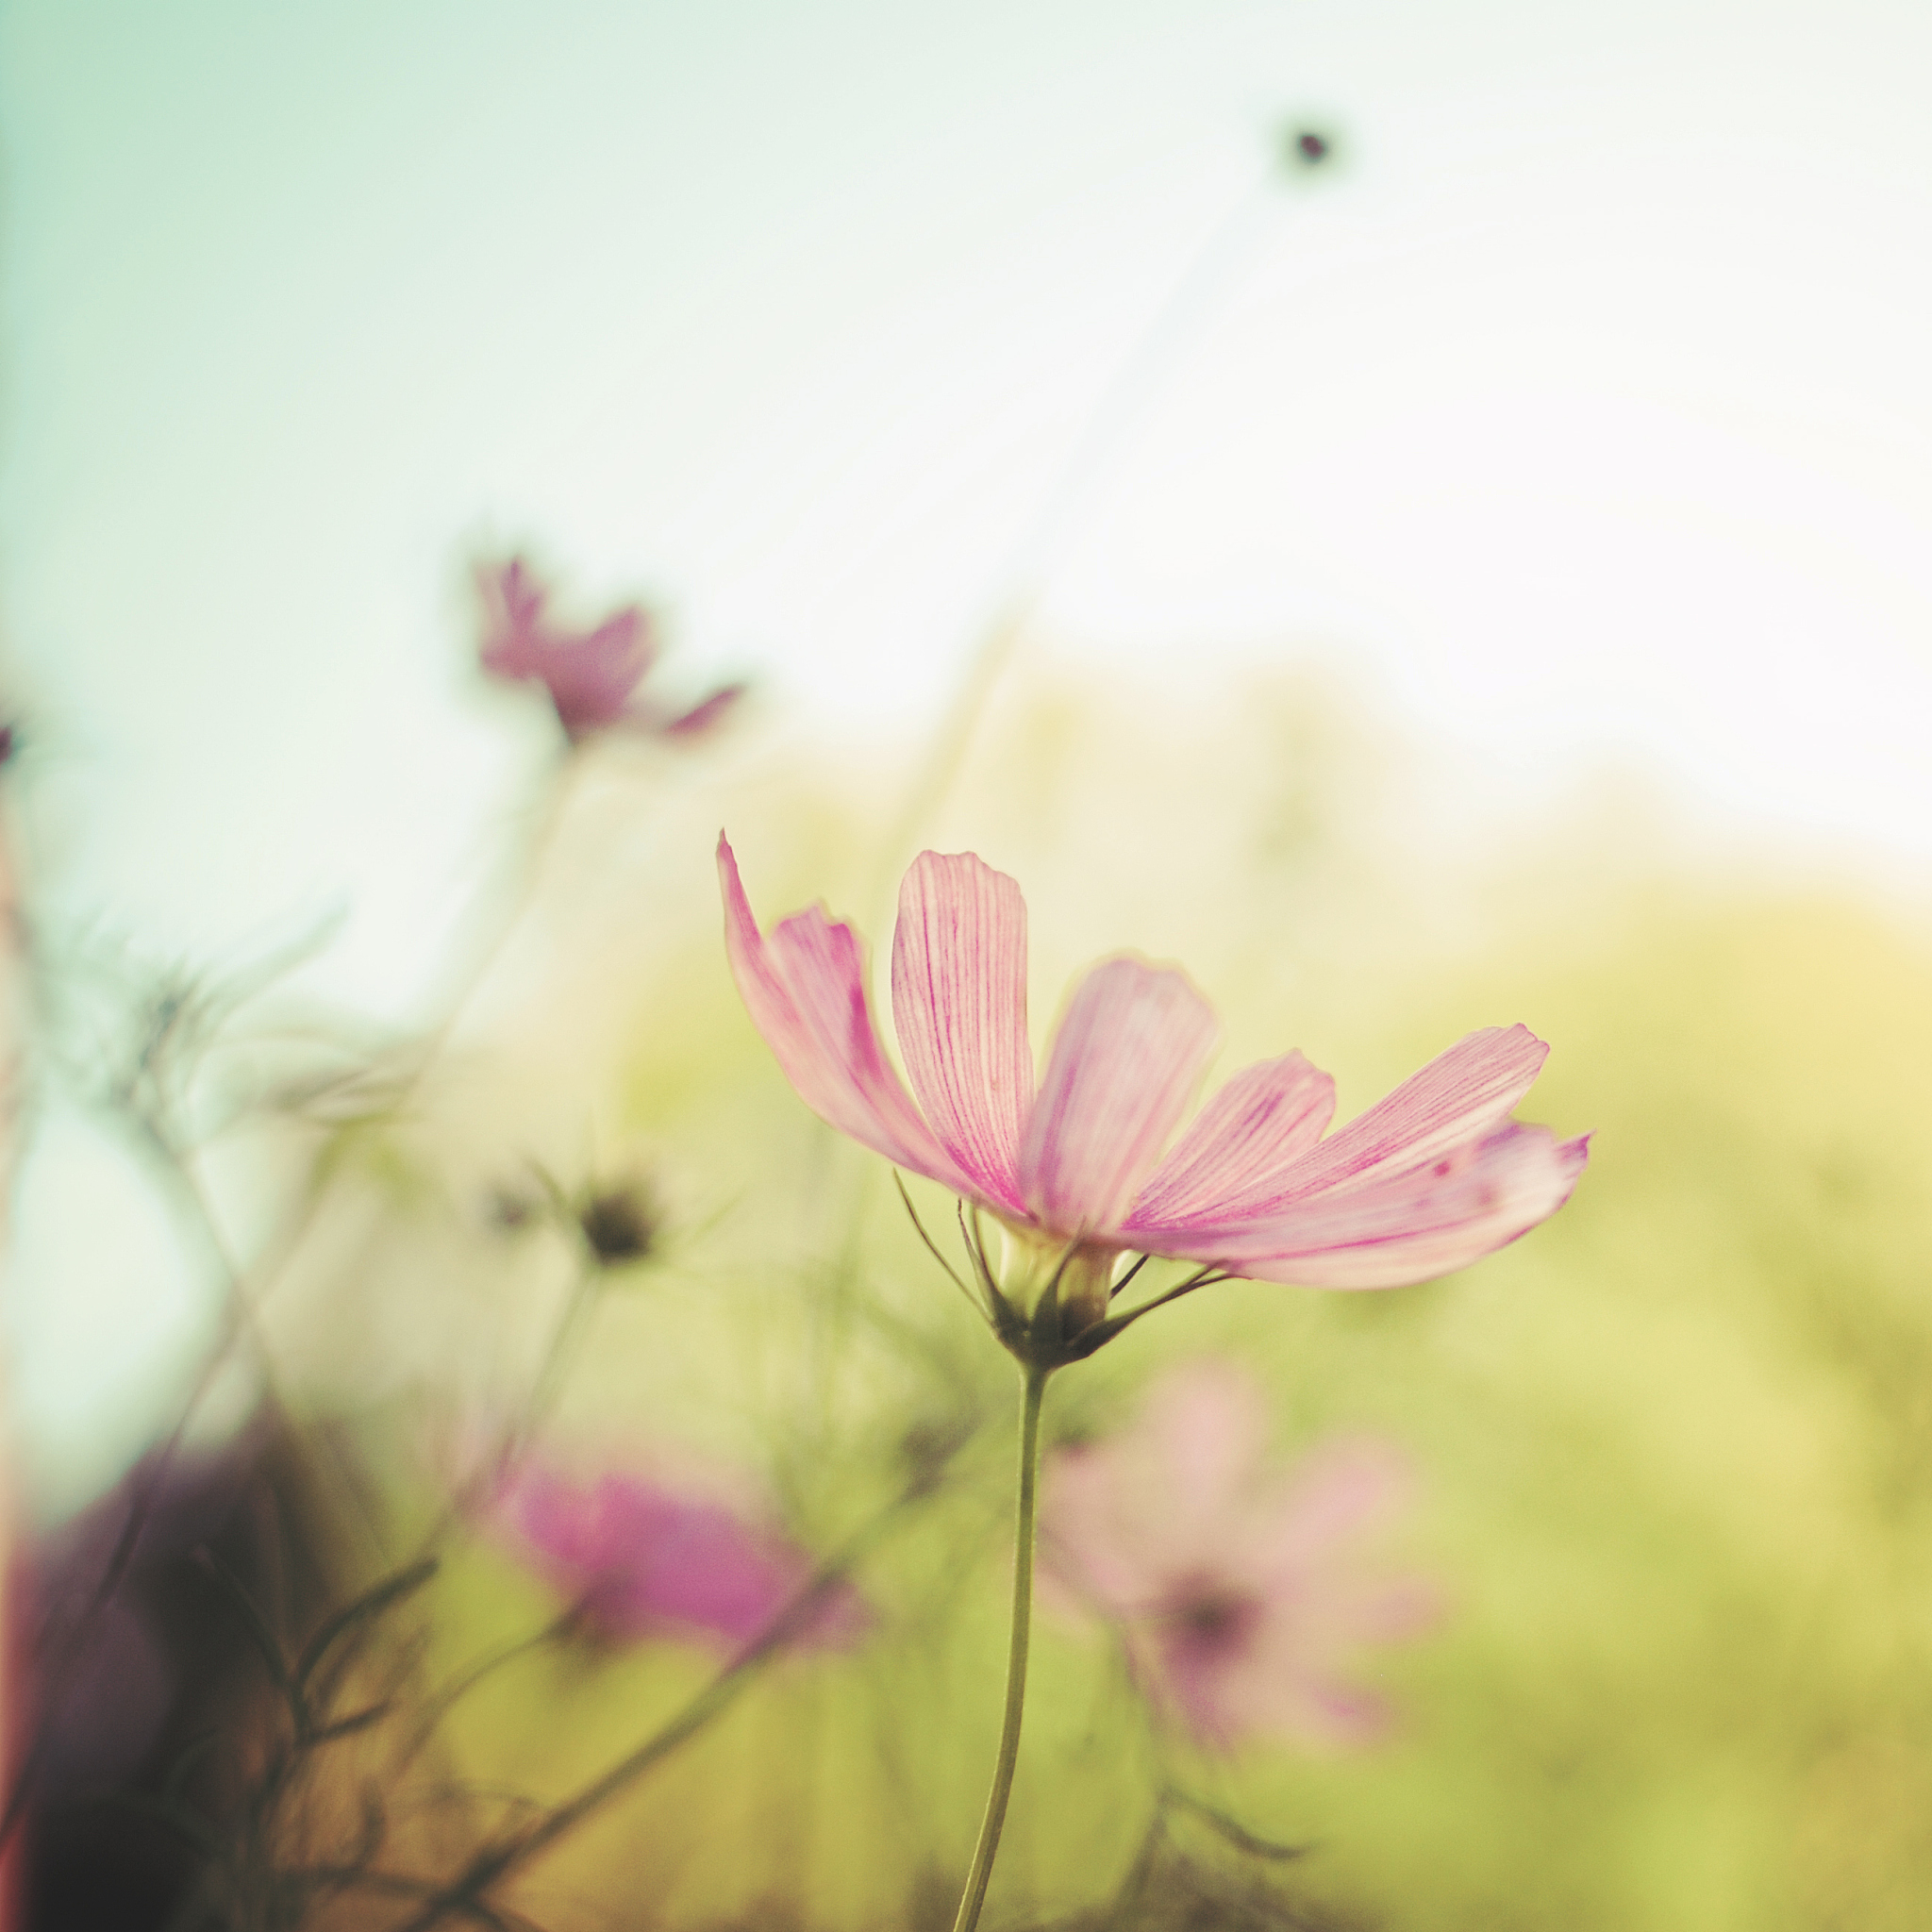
[1048, 1304]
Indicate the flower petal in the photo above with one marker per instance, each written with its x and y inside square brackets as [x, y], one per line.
[1231, 1162]
[1096, 1550]
[1471, 1086]
[960, 1004]
[1123, 1062]
[805, 991]
[1337, 1492]
[592, 677]
[1286, 1684]
[1126, 1523]
[1208, 1422]
[512, 613]
[705, 715]
[644, 1559]
[1390, 1229]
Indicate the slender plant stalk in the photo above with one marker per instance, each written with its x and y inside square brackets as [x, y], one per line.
[62, 1641]
[443, 1701]
[508, 1457]
[1128, 1898]
[1162, 347]
[244, 1289]
[463, 1896]
[974, 1897]
[559, 1355]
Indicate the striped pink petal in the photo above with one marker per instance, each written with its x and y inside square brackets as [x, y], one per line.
[1473, 1085]
[1393, 1228]
[1126, 1058]
[1429, 1180]
[1233, 1162]
[805, 989]
[959, 1005]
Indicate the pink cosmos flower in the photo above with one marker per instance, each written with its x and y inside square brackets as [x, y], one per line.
[1078, 1164]
[1234, 1586]
[644, 1559]
[592, 675]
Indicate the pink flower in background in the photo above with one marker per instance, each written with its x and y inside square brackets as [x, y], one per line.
[1429, 1179]
[592, 675]
[645, 1560]
[1234, 1585]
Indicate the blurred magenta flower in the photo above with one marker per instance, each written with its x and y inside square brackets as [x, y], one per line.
[592, 675]
[643, 1558]
[1234, 1584]
[1430, 1179]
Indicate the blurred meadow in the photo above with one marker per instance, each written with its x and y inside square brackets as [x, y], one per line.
[1473, 575]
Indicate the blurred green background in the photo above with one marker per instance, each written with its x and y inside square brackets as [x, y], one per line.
[1671, 1444]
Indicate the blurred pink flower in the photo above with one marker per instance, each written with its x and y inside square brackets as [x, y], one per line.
[592, 675]
[644, 1559]
[1233, 1585]
[1429, 1179]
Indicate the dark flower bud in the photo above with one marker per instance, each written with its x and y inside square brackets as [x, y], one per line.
[1307, 147]
[619, 1225]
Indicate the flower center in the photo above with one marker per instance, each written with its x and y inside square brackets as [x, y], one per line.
[1211, 1623]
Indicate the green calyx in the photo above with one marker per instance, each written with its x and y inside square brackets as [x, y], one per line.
[1049, 1305]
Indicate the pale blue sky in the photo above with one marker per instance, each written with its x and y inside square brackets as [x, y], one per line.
[1586, 412]
[1588, 403]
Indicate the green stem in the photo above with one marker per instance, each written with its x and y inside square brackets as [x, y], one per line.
[463, 1897]
[555, 1368]
[974, 1897]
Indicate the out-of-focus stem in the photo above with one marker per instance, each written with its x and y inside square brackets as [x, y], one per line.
[1174, 328]
[443, 1701]
[242, 1296]
[977, 1878]
[463, 1897]
[554, 1371]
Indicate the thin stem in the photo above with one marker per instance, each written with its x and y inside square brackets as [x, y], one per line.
[1236, 1833]
[1105, 1331]
[1175, 327]
[63, 1648]
[500, 1464]
[974, 1897]
[975, 1250]
[952, 1273]
[554, 1369]
[464, 1895]
[1135, 1883]
[443, 1701]
[498, 923]
[245, 1289]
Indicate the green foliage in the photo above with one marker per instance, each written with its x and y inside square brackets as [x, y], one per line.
[1676, 1449]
